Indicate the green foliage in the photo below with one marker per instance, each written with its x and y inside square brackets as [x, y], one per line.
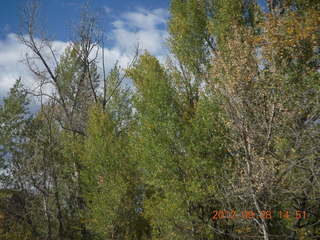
[113, 185]
[188, 34]
[13, 121]
[227, 13]
[230, 122]
[173, 155]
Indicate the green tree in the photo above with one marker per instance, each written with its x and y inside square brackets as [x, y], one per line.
[113, 184]
[13, 121]
[179, 169]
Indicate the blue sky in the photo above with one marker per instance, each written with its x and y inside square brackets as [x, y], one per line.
[126, 23]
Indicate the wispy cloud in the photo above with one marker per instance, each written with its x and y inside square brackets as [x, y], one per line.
[142, 27]
[107, 10]
[145, 19]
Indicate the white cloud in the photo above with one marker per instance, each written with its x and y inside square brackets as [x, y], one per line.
[146, 19]
[151, 40]
[12, 66]
[118, 24]
[141, 27]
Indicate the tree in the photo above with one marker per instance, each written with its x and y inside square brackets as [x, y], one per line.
[113, 184]
[172, 153]
[229, 124]
[263, 104]
[13, 121]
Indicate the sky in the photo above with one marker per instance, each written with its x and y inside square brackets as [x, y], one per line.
[126, 23]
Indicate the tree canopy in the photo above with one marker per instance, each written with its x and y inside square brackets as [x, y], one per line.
[221, 141]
